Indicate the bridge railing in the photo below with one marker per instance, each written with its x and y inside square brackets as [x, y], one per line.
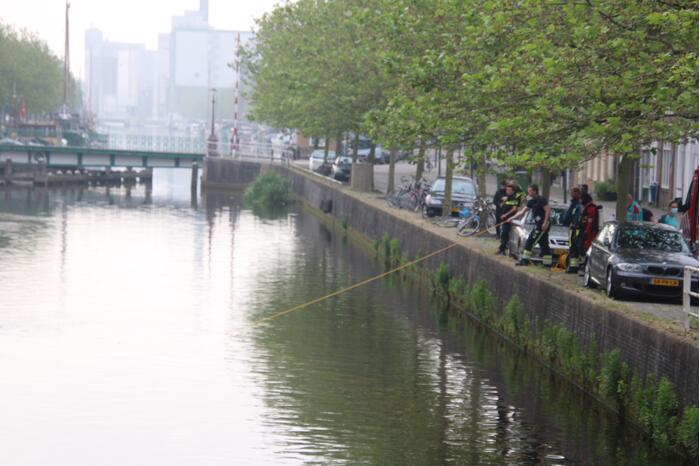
[196, 144]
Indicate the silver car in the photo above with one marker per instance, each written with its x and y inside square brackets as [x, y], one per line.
[558, 234]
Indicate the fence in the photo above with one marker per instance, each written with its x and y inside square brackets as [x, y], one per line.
[688, 274]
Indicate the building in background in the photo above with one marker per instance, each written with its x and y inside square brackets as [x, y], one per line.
[126, 81]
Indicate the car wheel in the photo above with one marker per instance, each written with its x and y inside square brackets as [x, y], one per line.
[611, 288]
[587, 282]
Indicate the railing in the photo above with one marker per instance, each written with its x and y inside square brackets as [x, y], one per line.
[688, 293]
[196, 144]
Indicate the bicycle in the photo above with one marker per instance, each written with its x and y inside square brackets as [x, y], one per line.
[472, 219]
[410, 194]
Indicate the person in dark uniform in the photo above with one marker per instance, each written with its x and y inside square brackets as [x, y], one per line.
[572, 219]
[511, 202]
[540, 234]
[498, 200]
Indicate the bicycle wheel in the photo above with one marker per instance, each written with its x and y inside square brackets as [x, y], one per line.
[447, 222]
[468, 226]
[491, 222]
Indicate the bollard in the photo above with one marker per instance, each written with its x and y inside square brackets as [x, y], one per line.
[195, 172]
[8, 171]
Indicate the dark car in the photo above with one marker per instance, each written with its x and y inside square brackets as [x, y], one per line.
[342, 167]
[463, 192]
[639, 259]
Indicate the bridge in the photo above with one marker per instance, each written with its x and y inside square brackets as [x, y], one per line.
[43, 164]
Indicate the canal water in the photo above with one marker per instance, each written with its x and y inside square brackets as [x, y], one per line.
[128, 336]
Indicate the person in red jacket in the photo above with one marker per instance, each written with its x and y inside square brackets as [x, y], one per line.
[589, 222]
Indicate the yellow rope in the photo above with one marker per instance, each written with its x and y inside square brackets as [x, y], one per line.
[364, 282]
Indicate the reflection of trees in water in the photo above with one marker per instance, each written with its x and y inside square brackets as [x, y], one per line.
[354, 379]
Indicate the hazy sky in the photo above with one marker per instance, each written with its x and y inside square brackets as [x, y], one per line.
[137, 21]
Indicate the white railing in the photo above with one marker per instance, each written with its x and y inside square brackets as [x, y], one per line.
[688, 273]
[196, 144]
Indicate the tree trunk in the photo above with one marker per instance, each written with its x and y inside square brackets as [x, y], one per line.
[392, 168]
[325, 150]
[370, 157]
[338, 144]
[447, 202]
[355, 146]
[546, 183]
[420, 165]
[624, 170]
[481, 174]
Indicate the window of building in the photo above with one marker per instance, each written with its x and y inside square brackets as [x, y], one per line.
[666, 163]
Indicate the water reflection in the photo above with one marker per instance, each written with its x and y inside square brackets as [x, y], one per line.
[126, 337]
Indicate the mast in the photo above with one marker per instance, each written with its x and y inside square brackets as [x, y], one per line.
[234, 132]
[66, 63]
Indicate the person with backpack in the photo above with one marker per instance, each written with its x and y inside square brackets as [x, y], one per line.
[590, 223]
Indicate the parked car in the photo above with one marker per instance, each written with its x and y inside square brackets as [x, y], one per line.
[342, 167]
[463, 192]
[316, 158]
[380, 156]
[558, 234]
[639, 258]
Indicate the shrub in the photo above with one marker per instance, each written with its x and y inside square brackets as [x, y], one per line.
[482, 302]
[665, 410]
[269, 190]
[442, 277]
[606, 191]
[514, 320]
[394, 251]
[688, 431]
[614, 378]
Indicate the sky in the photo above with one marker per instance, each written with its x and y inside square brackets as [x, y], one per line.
[137, 21]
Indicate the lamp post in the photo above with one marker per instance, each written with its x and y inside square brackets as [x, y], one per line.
[213, 141]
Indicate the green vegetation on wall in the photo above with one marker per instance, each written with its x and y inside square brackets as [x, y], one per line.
[269, 190]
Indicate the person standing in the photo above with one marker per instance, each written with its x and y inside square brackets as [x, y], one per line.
[572, 219]
[590, 222]
[540, 234]
[511, 203]
[671, 217]
[498, 199]
[691, 207]
[634, 210]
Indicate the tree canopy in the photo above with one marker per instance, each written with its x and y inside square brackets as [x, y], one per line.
[535, 84]
[30, 71]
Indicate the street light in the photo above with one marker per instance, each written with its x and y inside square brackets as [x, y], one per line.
[213, 141]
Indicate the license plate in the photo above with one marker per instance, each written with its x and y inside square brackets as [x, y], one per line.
[665, 282]
[455, 210]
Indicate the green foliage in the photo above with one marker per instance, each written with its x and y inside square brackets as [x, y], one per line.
[482, 302]
[30, 71]
[270, 190]
[614, 378]
[457, 288]
[688, 430]
[344, 223]
[664, 418]
[394, 251]
[606, 191]
[515, 322]
[442, 277]
[386, 246]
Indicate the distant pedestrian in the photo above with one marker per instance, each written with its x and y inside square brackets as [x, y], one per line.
[584, 189]
[540, 234]
[634, 210]
[671, 217]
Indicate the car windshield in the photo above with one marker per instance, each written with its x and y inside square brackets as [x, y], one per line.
[460, 187]
[557, 216]
[651, 238]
